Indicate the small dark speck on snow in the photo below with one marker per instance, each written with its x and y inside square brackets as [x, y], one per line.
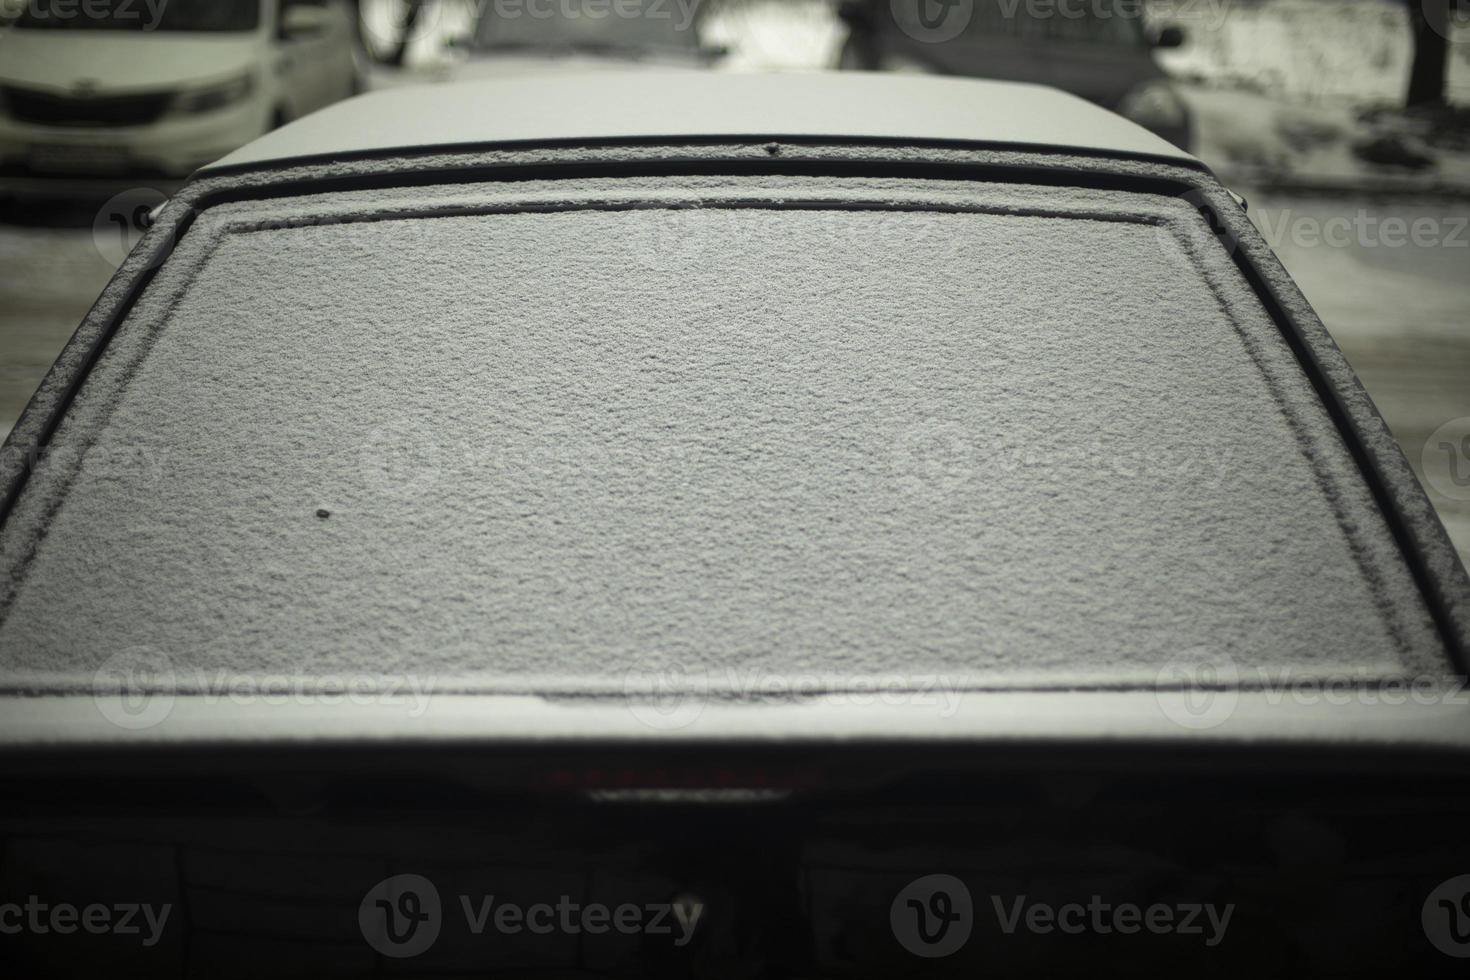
[323, 513]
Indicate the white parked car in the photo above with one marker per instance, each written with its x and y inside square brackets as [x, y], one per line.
[139, 89]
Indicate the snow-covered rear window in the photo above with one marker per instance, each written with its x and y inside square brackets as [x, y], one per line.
[1010, 440]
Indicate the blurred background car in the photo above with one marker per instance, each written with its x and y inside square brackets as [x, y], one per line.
[123, 89]
[1088, 49]
[576, 34]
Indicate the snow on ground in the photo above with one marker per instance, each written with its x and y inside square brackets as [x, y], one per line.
[777, 34]
[1311, 51]
[48, 280]
[1396, 307]
[1262, 140]
[1283, 91]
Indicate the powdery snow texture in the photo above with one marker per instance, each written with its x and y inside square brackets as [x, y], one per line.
[1055, 446]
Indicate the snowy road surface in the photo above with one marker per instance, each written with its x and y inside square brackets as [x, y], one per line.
[49, 277]
[1398, 304]
[1397, 301]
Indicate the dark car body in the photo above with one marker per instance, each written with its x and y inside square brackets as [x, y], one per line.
[757, 494]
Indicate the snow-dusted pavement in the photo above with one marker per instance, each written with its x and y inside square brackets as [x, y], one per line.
[1401, 312]
[49, 277]
[1399, 307]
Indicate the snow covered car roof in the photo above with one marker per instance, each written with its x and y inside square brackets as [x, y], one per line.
[601, 106]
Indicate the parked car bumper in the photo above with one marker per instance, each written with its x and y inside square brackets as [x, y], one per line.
[173, 146]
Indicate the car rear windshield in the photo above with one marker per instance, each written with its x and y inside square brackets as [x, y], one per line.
[550, 435]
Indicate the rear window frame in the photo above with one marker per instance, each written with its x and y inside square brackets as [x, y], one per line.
[1431, 560]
